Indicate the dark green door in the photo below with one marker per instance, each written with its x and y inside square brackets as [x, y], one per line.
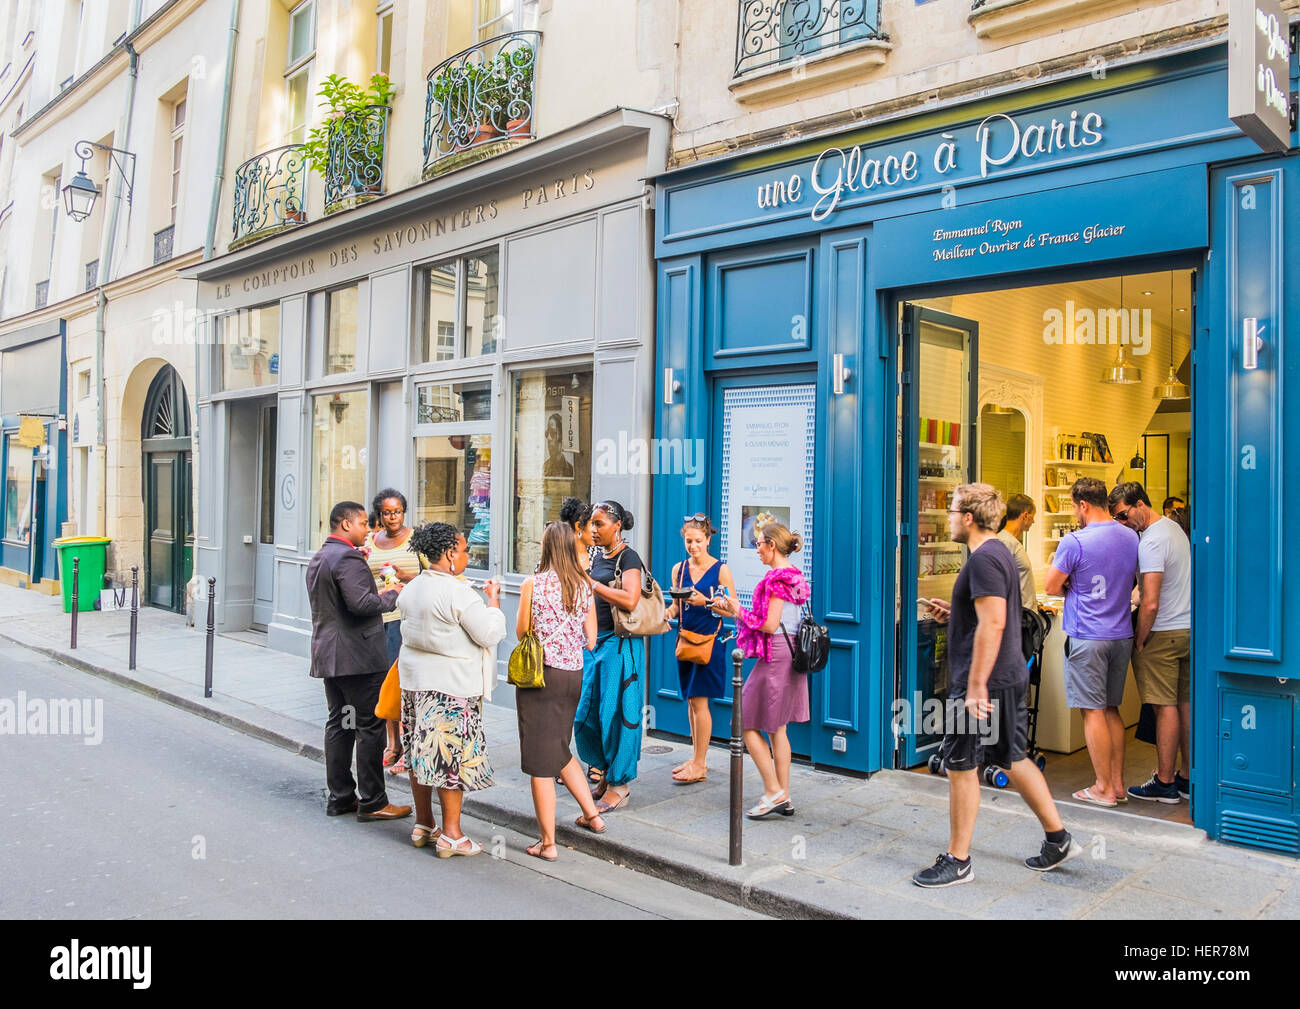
[168, 532]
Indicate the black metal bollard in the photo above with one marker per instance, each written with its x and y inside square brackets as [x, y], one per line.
[76, 574]
[737, 760]
[212, 631]
[135, 608]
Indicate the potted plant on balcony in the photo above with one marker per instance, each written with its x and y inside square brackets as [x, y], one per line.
[346, 128]
[513, 75]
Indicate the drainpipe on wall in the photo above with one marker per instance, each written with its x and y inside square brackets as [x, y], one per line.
[122, 140]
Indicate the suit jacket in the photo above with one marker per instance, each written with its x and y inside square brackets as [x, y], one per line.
[347, 627]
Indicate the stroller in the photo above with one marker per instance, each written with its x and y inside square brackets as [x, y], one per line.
[1035, 625]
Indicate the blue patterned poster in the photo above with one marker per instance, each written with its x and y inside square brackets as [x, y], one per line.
[768, 465]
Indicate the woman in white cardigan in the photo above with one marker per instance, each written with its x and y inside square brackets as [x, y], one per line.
[446, 667]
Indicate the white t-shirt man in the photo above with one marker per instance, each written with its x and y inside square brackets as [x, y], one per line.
[1164, 547]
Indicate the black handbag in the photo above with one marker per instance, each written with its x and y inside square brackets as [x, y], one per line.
[811, 648]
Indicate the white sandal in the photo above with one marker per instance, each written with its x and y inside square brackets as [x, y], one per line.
[460, 846]
[768, 806]
[422, 835]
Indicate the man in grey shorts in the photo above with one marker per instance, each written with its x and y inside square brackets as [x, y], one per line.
[1095, 569]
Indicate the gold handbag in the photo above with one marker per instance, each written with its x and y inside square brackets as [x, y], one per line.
[693, 646]
[525, 668]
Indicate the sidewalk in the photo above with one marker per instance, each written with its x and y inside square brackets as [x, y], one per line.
[849, 852]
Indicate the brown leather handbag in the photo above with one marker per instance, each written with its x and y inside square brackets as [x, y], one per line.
[693, 646]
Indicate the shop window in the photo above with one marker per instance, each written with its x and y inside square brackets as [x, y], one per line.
[250, 348]
[338, 455]
[453, 483]
[552, 453]
[460, 313]
[18, 491]
[341, 331]
[450, 403]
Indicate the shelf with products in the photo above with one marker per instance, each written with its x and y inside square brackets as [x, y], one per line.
[1080, 463]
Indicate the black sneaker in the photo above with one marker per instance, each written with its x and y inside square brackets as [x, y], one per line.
[1155, 790]
[1183, 785]
[1053, 855]
[946, 871]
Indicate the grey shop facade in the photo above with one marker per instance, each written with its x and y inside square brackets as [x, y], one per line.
[473, 341]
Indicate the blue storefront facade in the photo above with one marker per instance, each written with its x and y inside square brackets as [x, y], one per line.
[782, 278]
[34, 495]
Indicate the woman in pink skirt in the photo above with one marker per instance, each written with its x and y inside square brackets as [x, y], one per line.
[774, 694]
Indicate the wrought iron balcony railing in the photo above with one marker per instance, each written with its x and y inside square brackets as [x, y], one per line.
[270, 193]
[481, 96]
[773, 32]
[356, 154]
[163, 244]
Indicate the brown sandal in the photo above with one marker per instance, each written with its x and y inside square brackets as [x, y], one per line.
[537, 848]
[587, 823]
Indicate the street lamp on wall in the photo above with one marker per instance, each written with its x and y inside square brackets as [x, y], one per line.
[80, 194]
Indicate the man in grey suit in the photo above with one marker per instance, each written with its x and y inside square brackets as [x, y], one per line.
[349, 653]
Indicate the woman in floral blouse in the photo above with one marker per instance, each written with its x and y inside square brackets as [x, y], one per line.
[558, 604]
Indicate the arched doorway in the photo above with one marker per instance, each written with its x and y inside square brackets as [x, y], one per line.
[168, 483]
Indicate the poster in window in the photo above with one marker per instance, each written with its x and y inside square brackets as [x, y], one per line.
[767, 474]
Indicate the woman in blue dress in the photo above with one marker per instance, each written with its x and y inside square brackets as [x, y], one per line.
[708, 576]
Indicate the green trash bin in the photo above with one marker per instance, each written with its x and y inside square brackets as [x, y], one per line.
[93, 553]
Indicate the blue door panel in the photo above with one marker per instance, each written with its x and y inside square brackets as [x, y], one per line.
[1256, 738]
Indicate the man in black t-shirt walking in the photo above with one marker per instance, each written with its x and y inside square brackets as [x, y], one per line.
[985, 718]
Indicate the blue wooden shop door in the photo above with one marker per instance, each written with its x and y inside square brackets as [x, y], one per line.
[1245, 658]
[940, 351]
[753, 336]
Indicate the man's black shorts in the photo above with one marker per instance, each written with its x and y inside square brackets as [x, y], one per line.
[1000, 739]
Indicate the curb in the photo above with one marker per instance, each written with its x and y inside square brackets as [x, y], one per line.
[732, 890]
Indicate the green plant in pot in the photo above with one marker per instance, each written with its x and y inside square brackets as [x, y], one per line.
[512, 73]
[348, 126]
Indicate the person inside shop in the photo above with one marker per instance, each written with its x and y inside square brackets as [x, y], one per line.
[1162, 639]
[556, 465]
[348, 652]
[607, 724]
[774, 695]
[1017, 521]
[1095, 568]
[706, 576]
[1176, 508]
[446, 668]
[986, 719]
[392, 563]
[557, 605]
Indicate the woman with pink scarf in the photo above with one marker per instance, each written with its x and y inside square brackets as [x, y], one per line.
[774, 694]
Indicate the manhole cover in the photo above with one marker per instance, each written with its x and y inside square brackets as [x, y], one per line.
[656, 749]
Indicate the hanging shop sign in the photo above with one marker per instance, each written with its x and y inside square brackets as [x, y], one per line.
[1259, 65]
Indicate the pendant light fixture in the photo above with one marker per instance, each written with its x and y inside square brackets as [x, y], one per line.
[1171, 389]
[1121, 371]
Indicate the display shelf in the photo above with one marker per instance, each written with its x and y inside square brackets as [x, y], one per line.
[1069, 463]
[935, 446]
[946, 480]
[946, 545]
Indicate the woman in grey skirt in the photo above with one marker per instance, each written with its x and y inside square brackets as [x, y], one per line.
[774, 694]
[558, 604]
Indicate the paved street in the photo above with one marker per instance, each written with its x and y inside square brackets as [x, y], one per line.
[172, 815]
